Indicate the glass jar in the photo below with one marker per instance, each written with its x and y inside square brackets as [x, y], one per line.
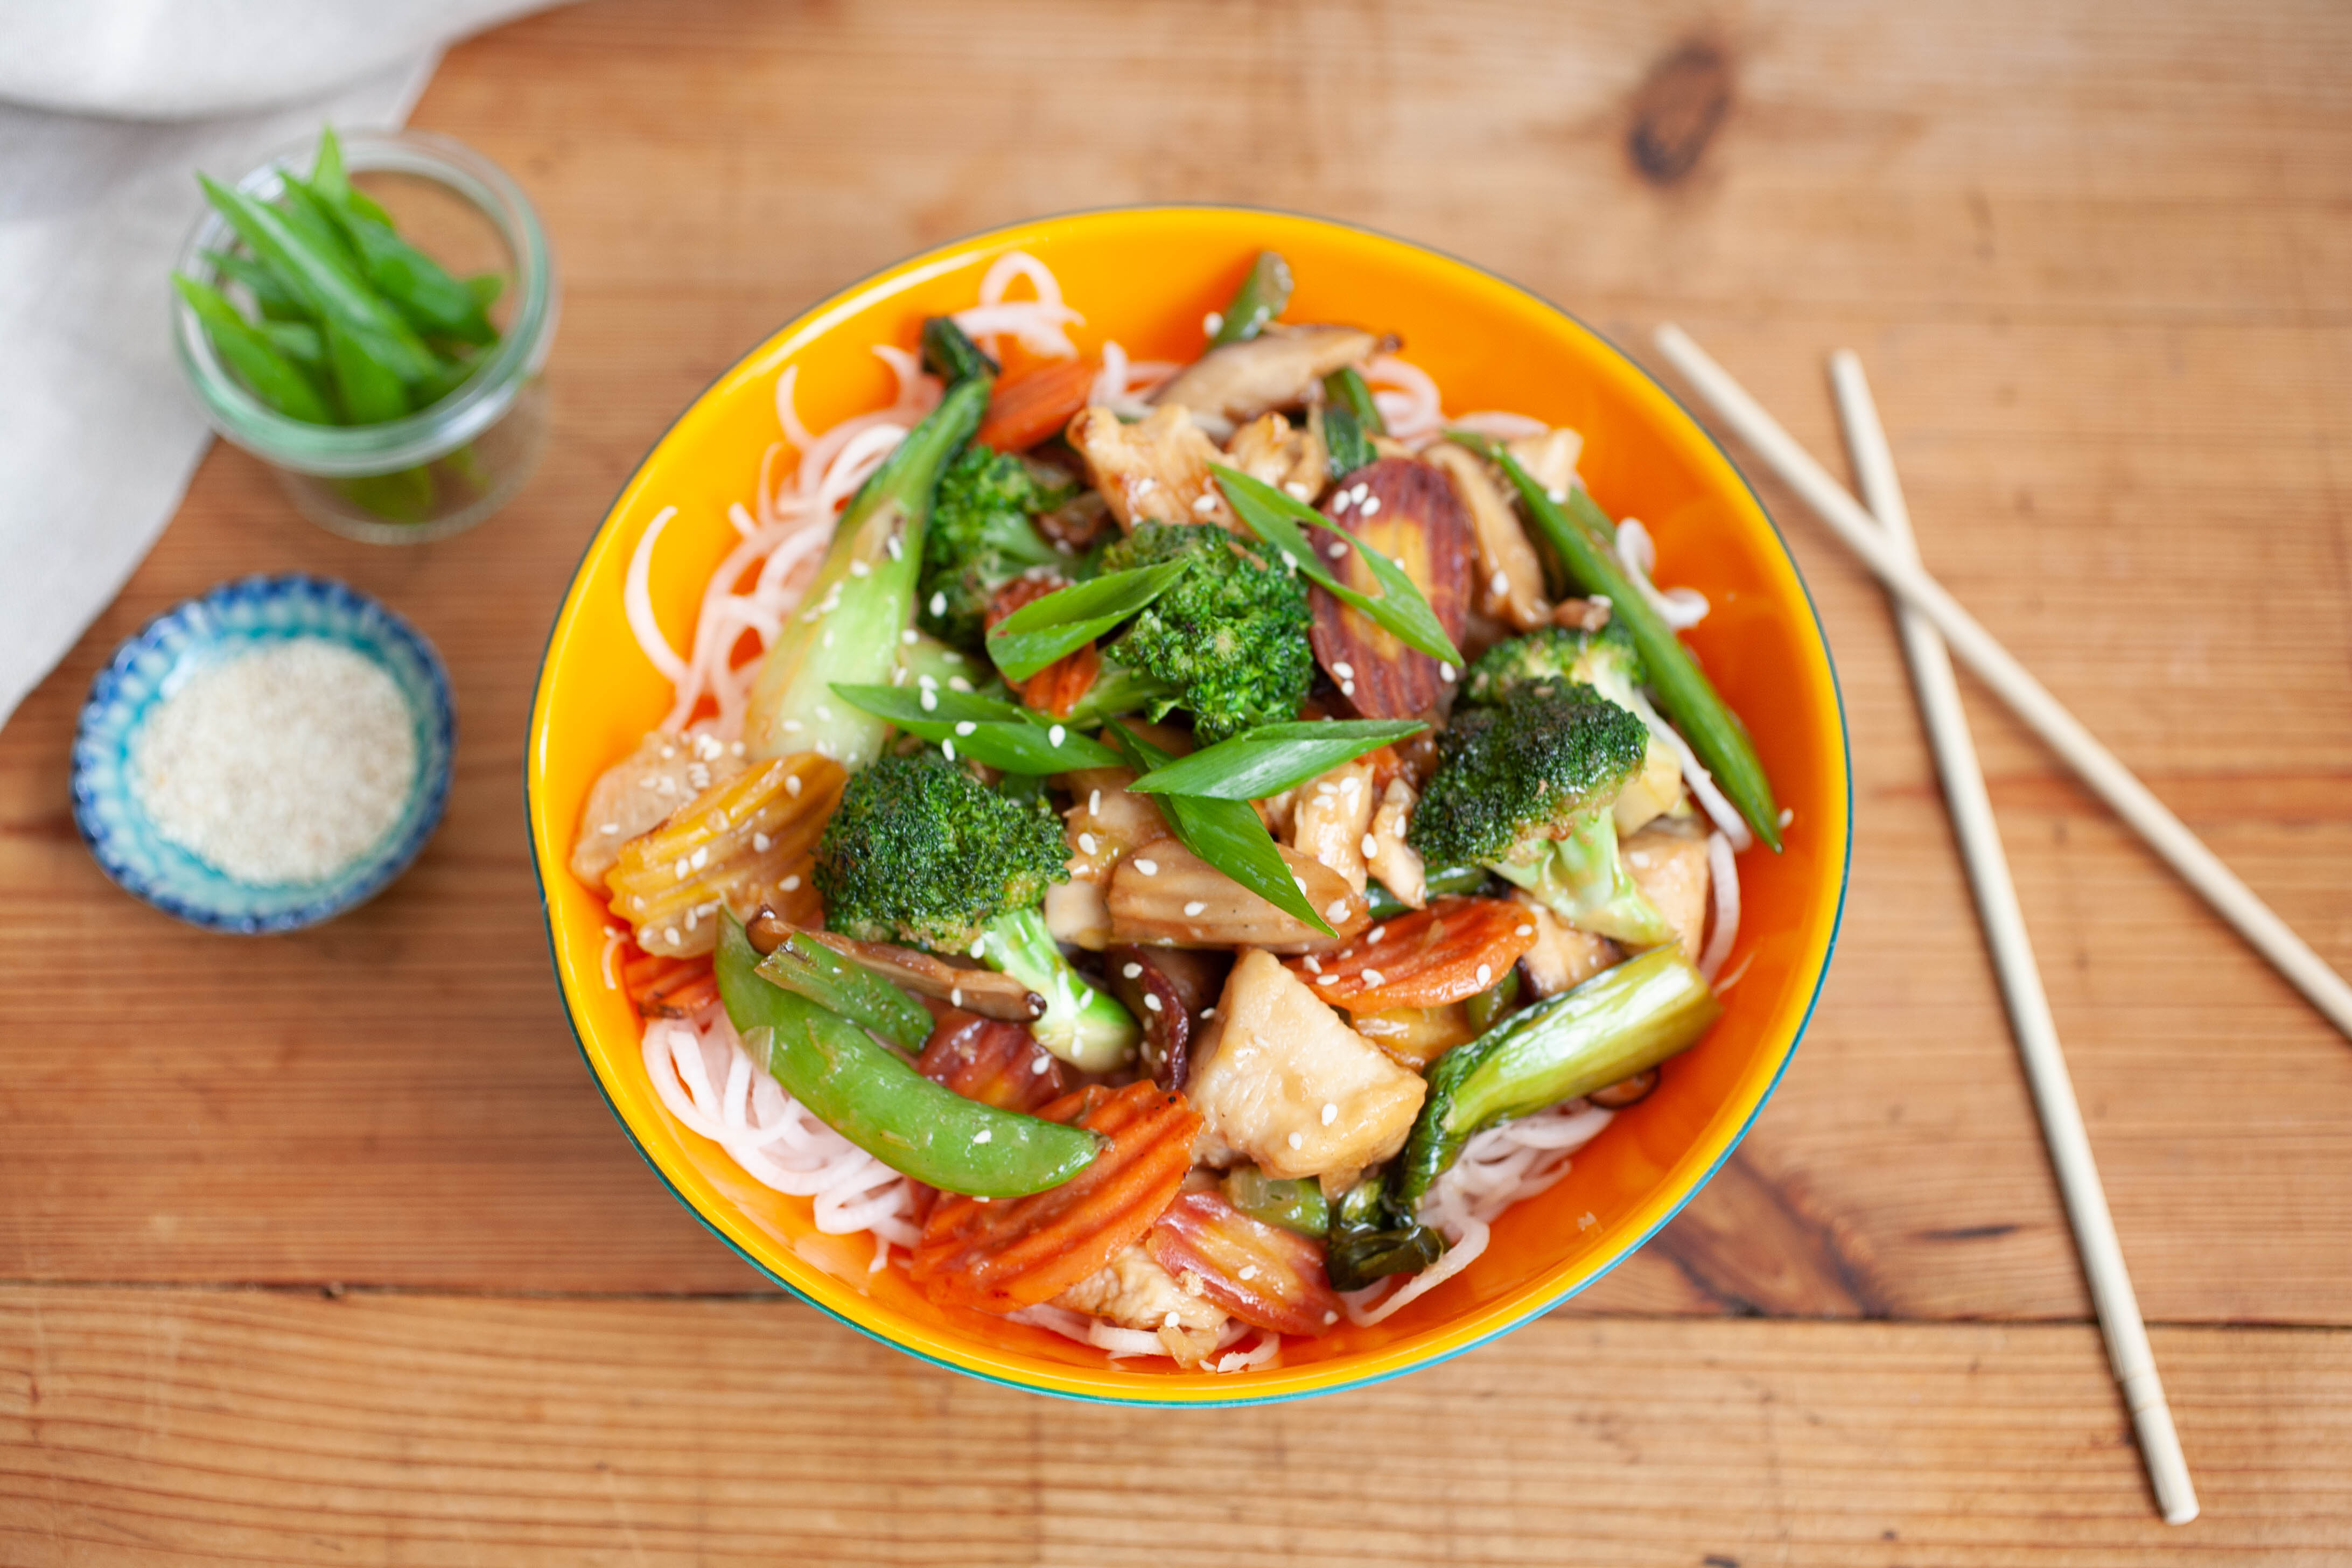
[447, 467]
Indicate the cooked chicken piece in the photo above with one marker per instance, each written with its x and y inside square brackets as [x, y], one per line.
[1653, 792]
[1563, 956]
[1134, 1293]
[1396, 863]
[1153, 471]
[637, 792]
[1281, 1077]
[1079, 913]
[1667, 860]
[1510, 575]
[1269, 450]
[1332, 819]
[1106, 820]
[1164, 895]
[1277, 369]
[1548, 458]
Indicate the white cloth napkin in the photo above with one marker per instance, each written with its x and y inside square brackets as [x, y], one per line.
[98, 435]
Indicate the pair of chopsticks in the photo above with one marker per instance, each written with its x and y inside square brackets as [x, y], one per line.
[1933, 627]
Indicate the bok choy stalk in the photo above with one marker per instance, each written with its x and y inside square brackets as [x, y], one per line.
[864, 593]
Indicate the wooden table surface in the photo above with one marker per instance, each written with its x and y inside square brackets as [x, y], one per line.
[323, 1247]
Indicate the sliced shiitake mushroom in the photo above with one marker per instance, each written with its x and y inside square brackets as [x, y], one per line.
[1168, 988]
[1164, 895]
[1406, 510]
[1631, 1091]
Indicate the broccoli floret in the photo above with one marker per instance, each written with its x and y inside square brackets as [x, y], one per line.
[1524, 787]
[982, 536]
[921, 850]
[1227, 643]
[1605, 661]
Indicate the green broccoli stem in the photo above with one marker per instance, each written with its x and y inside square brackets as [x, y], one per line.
[1582, 880]
[1118, 692]
[1083, 1026]
[860, 600]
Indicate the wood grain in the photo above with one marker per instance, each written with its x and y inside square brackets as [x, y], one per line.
[2098, 259]
[138, 1426]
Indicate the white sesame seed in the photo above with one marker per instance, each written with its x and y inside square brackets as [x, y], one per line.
[1297, 489]
[908, 637]
[1557, 498]
[1336, 550]
[824, 713]
[637, 902]
[1347, 688]
[958, 683]
[1131, 971]
[735, 749]
[1195, 909]
[793, 783]
[929, 699]
[1486, 974]
[983, 1136]
[1327, 980]
[1094, 801]
[1146, 484]
[1296, 1140]
[1330, 1318]
[1314, 964]
[701, 858]
[1337, 912]
[1086, 843]
[1325, 786]
[792, 726]
[859, 569]
[668, 753]
[791, 884]
[1445, 672]
[693, 918]
[669, 934]
[979, 947]
[1523, 931]
[1248, 1271]
[1640, 857]
[1330, 1113]
[950, 657]
[1371, 847]
[1349, 785]
[1204, 502]
[1208, 1012]
[1213, 324]
[965, 726]
[610, 827]
[1787, 816]
[939, 602]
[1054, 736]
[1372, 978]
[1171, 1321]
[897, 549]
[955, 995]
[1375, 934]
[1372, 505]
[1344, 670]
[1041, 1067]
[684, 868]
[947, 748]
[1149, 868]
[1498, 584]
[1150, 1003]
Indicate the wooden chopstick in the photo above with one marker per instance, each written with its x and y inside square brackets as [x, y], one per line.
[2021, 978]
[2028, 698]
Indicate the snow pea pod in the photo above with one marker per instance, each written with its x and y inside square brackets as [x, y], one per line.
[870, 1096]
[277, 302]
[417, 286]
[1264, 293]
[268, 374]
[327, 288]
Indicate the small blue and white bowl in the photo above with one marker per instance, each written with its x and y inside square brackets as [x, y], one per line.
[234, 618]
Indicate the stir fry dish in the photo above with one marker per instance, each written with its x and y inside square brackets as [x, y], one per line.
[1172, 852]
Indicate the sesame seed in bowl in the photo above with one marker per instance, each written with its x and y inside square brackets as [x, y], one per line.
[265, 757]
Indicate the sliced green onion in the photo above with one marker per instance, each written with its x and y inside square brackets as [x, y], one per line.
[987, 730]
[1065, 620]
[1400, 609]
[1227, 834]
[1272, 758]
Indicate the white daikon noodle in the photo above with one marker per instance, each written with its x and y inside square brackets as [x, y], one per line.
[1494, 1170]
[1680, 608]
[1123, 1343]
[1405, 396]
[1725, 929]
[1124, 382]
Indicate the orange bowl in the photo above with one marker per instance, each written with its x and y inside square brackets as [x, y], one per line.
[1146, 278]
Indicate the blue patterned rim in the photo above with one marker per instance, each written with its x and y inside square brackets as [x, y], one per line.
[231, 619]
